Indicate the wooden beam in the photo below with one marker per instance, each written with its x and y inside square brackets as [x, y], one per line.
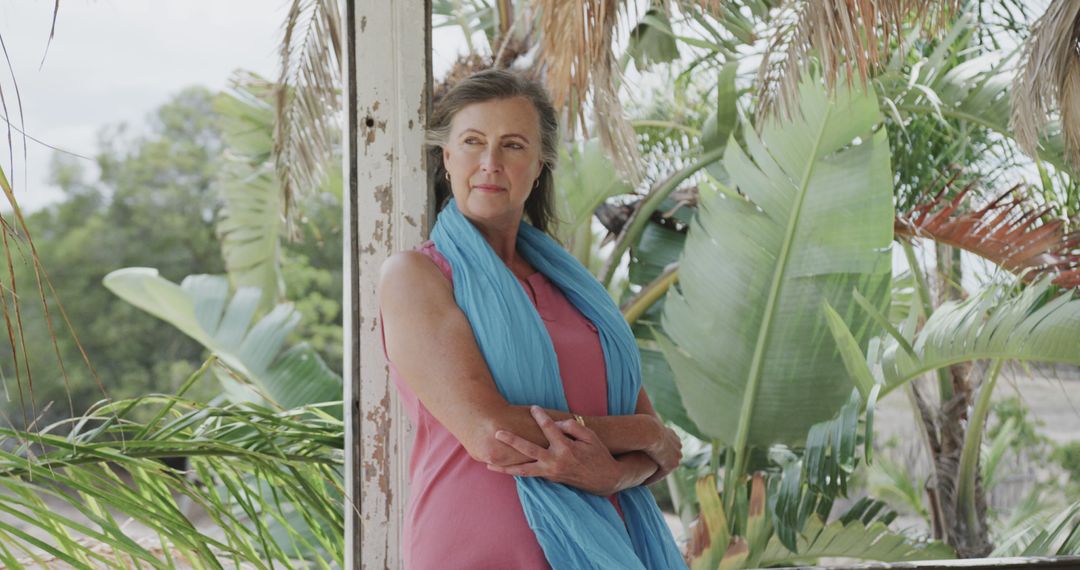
[388, 209]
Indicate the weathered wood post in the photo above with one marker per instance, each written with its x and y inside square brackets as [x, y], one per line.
[387, 208]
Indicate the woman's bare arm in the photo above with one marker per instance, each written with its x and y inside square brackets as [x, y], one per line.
[432, 345]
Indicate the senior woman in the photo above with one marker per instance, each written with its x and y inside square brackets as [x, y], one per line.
[533, 435]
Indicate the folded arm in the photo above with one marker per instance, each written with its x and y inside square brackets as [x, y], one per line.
[432, 345]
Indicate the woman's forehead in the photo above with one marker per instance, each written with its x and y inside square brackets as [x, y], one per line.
[498, 116]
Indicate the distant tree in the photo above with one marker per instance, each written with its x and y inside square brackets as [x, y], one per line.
[152, 203]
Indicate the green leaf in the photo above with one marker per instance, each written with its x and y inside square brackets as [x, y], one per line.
[1032, 325]
[1060, 537]
[749, 345]
[585, 178]
[854, 359]
[248, 459]
[853, 539]
[201, 307]
[659, 385]
[652, 41]
[250, 225]
[975, 91]
[721, 124]
[810, 484]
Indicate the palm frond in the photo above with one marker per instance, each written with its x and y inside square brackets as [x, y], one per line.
[1034, 325]
[576, 43]
[847, 36]
[1049, 80]
[308, 98]
[15, 238]
[852, 539]
[1007, 232]
[246, 463]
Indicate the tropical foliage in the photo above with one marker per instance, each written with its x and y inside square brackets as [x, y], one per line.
[752, 220]
[712, 229]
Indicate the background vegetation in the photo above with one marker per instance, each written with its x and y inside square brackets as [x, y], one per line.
[831, 211]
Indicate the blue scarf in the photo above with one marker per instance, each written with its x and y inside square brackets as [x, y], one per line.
[575, 529]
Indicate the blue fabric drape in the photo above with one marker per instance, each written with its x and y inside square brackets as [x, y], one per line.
[575, 529]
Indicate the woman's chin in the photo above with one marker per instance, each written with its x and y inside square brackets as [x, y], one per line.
[491, 209]
[489, 205]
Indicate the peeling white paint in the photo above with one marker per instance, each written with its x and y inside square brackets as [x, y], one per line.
[390, 79]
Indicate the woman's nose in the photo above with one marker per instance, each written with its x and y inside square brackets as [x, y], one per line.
[491, 160]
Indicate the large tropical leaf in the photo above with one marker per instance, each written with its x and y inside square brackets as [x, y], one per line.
[250, 227]
[1032, 325]
[749, 344]
[202, 308]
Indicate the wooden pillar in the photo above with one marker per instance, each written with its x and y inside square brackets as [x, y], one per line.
[388, 209]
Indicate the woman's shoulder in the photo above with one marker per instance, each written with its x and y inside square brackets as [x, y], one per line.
[414, 271]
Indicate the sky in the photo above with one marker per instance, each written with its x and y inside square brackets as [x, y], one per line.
[114, 61]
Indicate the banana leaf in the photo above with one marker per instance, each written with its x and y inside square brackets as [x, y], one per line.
[202, 308]
[745, 333]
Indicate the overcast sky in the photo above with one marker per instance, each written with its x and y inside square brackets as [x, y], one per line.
[116, 61]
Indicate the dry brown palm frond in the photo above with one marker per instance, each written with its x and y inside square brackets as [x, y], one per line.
[847, 35]
[576, 39]
[579, 66]
[615, 132]
[14, 236]
[1008, 232]
[308, 99]
[1049, 79]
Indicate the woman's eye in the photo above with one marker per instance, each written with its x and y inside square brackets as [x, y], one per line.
[471, 141]
[515, 146]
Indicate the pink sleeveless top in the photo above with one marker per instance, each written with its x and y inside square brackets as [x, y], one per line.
[460, 514]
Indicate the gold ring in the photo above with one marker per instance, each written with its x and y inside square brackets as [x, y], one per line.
[579, 419]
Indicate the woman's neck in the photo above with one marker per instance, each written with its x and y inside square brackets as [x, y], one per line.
[503, 241]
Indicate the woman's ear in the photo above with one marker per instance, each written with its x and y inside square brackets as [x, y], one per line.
[445, 155]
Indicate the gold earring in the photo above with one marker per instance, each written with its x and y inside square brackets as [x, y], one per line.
[536, 184]
[447, 175]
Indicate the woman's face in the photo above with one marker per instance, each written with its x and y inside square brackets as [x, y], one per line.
[493, 158]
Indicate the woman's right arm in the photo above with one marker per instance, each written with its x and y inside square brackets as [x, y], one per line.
[432, 346]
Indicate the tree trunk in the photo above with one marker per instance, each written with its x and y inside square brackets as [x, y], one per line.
[969, 541]
[948, 426]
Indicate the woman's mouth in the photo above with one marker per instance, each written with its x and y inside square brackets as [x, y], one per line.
[489, 188]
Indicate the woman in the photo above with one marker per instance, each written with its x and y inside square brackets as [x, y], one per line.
[512, 360]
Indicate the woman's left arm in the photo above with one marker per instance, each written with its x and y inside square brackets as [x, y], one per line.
[668, 453]
[575, 456]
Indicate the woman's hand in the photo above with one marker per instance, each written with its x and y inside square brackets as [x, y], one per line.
[666, 451]
[574, 456]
